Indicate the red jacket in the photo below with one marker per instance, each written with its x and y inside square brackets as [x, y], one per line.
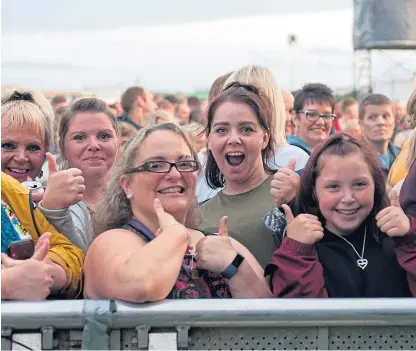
[297, 271]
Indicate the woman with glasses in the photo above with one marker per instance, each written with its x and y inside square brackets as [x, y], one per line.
[314, 106]
[143, 251]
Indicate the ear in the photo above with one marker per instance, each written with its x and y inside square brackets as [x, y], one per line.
[266, 139]
[140, 101]
[296, 121]
[125, 184]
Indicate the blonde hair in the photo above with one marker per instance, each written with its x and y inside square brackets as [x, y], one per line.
[22, 106]
[263, 78]
[217, 86]
[351, 123]
[114, 210]
[411, 111]
[161, 114]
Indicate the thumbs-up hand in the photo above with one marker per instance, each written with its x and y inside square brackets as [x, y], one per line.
[392, 220]
[285, 184]
[216, 252]
[40, 253]
[65, 188]
[394, 199]
[165, 219]
[305, 228]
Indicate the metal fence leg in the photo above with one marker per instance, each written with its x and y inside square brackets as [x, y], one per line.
[6, 335]
[143, 337]
[183, 336]
[47, 337]
[323, 338]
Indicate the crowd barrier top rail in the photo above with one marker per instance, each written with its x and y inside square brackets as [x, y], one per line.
[212, 313]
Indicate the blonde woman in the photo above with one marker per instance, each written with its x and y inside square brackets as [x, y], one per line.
[401, 166]
[143, 251]
[26, 138]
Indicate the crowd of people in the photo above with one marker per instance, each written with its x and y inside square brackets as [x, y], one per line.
[256, 192]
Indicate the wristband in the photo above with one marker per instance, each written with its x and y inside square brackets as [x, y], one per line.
[232, 269]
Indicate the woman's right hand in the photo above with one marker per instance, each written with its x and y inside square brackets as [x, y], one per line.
[65, 188]
[165, 219]
[305, 228]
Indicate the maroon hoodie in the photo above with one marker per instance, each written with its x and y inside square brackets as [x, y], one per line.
[328, 268]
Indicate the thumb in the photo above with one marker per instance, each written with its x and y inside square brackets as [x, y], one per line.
[292, 164]
[222, 226]
[7, 261]
[157, 205]
[29, 179]
[52, 166]
[394, 199]
[41, 251]
[288, 214]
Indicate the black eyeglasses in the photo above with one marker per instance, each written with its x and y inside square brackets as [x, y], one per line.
[313, 116]
[165, 167]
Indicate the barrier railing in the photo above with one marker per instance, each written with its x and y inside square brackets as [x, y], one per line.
[211, 324]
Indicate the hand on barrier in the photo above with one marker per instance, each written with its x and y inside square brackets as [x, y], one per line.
[305, 228]
[392, 220]
[216, 252]
[30, 279]
[285, 184]
[65, 188]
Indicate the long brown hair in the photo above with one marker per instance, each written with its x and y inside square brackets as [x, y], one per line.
[340, 145]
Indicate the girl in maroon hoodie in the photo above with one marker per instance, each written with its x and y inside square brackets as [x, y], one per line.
[347, 240]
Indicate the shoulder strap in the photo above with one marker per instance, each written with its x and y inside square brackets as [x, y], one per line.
[32, 213]
[303, 148]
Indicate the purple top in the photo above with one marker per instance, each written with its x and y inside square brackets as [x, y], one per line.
[206, 285]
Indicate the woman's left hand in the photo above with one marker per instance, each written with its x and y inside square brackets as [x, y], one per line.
[215, 253]
[392, 220]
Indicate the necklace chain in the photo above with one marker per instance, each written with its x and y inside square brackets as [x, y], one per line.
[361, 262]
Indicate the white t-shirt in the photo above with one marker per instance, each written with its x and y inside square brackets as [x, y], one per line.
[281, 159]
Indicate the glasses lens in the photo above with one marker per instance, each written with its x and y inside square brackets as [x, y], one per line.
[312, 115]
[158, 166]
[187, 166]
[327, 116]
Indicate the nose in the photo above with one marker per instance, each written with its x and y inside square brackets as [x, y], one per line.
[348, 196]
[380, 120]
[93, 144]
[174, 173]
[234, 137]
[20, 155]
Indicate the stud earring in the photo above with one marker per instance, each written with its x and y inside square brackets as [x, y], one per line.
[129, 196]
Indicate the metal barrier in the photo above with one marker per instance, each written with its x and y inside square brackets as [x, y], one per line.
[252, 324]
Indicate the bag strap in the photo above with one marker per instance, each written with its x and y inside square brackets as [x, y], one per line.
[32, 212]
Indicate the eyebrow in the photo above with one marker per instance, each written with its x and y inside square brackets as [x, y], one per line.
[80, 131]
[228, 123]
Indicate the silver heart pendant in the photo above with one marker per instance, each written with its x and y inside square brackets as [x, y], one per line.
[362, 263]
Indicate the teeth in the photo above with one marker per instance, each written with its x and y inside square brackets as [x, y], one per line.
[235, 154]
[347, 212]
[16, 170]
[171, 190]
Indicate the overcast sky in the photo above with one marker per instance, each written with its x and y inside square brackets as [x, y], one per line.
[178, 45]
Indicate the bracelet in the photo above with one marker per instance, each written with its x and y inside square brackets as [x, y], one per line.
[232, 268]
